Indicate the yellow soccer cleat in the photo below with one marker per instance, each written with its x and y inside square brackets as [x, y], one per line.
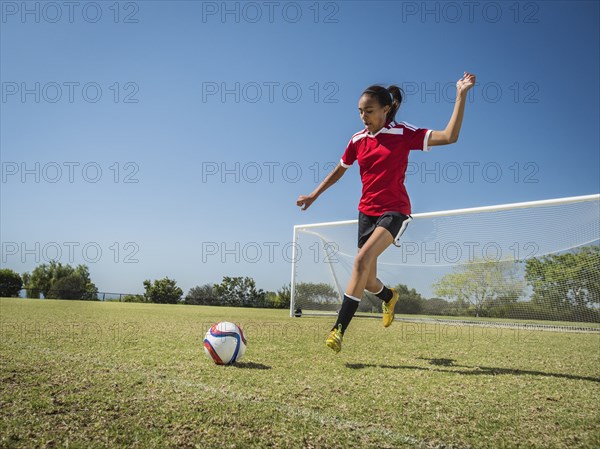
[388, 309]
[334, 340]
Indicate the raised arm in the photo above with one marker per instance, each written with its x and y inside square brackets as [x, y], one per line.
[304, 201]
[450, 134]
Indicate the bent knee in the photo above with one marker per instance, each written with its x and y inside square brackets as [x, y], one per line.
[363, 263]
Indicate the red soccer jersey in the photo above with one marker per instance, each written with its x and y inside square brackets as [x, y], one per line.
[383, 159]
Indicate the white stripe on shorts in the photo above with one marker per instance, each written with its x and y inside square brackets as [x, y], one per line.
[402, 229]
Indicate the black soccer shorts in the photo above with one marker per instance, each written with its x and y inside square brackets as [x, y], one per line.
[394, 222]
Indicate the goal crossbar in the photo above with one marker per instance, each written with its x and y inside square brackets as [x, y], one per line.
[471, 210]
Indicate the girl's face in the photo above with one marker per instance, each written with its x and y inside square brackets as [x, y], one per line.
[372, 113]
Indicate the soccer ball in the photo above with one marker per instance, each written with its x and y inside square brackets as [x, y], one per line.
[224, 343]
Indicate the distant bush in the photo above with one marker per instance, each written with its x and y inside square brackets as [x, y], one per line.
[436, 306]
[56, 280]
[162, 291]
[202, 295]
[133, 298]
[10, 283]
[240, 292]
[72, 286]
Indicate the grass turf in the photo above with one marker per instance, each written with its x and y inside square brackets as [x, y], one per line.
[92, 374]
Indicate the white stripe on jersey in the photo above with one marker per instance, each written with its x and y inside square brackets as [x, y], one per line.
[426, 146]
[360, 135]
[393, 131]
[409, 126]
[391, 128]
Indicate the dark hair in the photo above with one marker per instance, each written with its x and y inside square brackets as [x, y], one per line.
[392, 96]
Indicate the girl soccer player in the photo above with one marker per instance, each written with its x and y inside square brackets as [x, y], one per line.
[381, 150]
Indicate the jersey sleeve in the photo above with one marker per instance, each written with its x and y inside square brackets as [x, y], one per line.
[349, 155]
[419, 137]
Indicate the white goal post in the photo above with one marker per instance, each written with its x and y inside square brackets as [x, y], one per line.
[512, 252]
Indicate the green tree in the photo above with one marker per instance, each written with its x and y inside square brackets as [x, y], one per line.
[320, 295]
[162, 291]
[271, 299]
[40, 280]
[436, 306]
[202, 295]
[316, 293]
[480, 283]
[409, 301]
[240, 291]
[133, 298]
[10, 283]
[369, 303]
[45, 276]
[566, 280]
[72, 286]
[29, 292]
[91, 291]
[282, 297]
[279, 299]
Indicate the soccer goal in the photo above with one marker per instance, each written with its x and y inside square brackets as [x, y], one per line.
[535, 264]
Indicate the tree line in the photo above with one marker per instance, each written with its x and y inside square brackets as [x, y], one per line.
[563, 287]
[58, 281]
[560, 287]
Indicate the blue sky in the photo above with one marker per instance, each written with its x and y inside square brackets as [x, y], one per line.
[150, 139]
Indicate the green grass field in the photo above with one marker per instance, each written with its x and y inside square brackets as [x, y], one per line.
[92, 374]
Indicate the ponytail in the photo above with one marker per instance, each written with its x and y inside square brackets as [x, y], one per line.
[392, 97]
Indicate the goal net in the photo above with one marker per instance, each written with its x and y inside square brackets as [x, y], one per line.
[534, 263]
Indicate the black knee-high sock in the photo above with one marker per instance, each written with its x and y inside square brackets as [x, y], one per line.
[385, 294]
[346, 313]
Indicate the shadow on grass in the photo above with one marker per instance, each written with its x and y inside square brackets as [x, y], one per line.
[250, 365]
[472, 370]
